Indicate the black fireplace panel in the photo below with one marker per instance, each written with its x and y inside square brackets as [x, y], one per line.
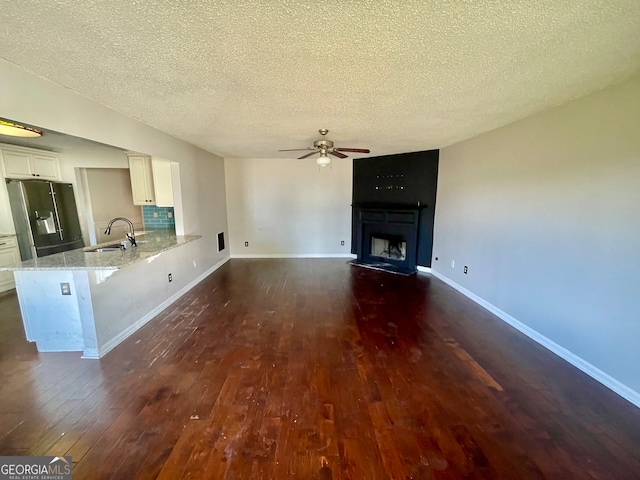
[393, 183]
[406, 178]
[372, 216]
[387, 216]
[401, 217]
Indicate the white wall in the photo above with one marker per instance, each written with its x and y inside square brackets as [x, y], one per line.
[35, 101]
[109, 194]
[546, 214]
[289, 207]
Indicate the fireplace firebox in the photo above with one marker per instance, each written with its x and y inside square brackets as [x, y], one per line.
[388, 246]
[387, 238]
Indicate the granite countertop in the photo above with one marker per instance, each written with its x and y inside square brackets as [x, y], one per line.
[149, 245]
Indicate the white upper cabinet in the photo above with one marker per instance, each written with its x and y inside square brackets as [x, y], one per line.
[46, 166]
[151, 181]
[21, 162]
[162, 186]
[141, 180]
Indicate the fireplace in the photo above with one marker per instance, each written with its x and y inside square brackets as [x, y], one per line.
[395, 191]
[387, 237]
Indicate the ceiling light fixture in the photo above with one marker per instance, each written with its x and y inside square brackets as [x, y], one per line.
[17, 130]
[325, 148]
[323, 160]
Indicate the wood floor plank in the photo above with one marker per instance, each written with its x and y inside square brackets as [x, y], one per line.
[312, 368]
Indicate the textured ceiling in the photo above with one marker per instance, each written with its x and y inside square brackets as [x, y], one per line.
[243, 79]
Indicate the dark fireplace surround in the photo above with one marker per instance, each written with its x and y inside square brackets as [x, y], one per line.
[394, 199]
[393, 224]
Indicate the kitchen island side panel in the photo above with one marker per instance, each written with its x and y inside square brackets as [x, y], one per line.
[91, 301]
[51, 319]
[124, 300]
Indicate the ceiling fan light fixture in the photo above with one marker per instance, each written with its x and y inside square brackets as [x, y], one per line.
[325, 148]
[16, 130]
[323, 160]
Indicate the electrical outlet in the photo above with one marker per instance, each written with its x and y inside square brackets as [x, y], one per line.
[170, 278]
[169, 215]
[155, 214]
[466, 269]
[453, 264]
[342, 243]
[246, 244]
[65, 289]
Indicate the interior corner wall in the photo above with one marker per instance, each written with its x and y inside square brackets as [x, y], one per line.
[35, 101]
[545, 213]
[288, 207]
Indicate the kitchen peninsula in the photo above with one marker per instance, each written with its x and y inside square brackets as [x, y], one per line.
[90, 301]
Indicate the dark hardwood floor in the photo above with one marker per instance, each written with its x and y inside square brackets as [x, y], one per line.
[314, 369]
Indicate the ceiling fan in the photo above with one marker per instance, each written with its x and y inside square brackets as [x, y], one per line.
[325, 148]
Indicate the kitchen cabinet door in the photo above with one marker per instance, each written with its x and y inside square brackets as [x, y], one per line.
[45, 166]
[141, 180]
[9, 257]
[29, 163]
[162, 183]
[17, 164]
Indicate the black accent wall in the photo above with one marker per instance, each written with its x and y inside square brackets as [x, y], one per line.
[403, 180]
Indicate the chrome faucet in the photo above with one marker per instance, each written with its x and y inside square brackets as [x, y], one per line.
[130, 236]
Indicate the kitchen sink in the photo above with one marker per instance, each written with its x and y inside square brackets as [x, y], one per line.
[103, 248]
[111, 247]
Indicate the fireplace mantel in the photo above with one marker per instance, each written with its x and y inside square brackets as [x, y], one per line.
[388, 206]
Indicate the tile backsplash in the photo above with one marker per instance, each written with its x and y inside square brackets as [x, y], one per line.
[158, 217]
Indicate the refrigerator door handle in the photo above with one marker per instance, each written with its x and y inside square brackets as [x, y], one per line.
[55, 212]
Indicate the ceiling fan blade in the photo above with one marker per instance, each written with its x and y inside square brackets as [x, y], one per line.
[356, 150]
[307, 155]
[338, 154]
[297, 149]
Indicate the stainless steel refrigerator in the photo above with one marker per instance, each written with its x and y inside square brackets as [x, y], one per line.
[45, 216]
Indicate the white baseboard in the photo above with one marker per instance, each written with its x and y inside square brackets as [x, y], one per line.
[578, 362]
[423, 269]
[91, 353]
[294, 255]
[115, 341]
